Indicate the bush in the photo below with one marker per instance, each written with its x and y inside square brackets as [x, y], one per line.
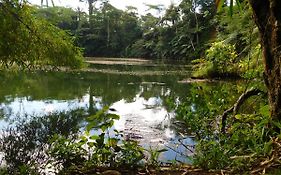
[220, 60]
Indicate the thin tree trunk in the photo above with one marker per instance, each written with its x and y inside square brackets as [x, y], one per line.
[267, 16]
[108, 32]
[91, 101]
[91, 8]
[196, 20]
[79, 19]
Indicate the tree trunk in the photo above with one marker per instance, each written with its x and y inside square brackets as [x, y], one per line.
[91, 8]
[267, 16]
[196, 21]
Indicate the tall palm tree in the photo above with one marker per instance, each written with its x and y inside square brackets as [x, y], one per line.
[47, 2]
[90, 5]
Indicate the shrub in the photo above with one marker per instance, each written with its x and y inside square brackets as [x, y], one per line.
[220, 60]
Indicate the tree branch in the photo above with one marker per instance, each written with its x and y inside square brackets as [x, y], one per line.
[16, 16]
[237, 105]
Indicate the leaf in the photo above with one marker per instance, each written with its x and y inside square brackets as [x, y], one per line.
[110, 124]
[219, 4]
[231, 8]
[82, 142]
[91, 144]
[238, 4]
[105, 108]
[277, 124]
[90, 126]
[238, 116]
[112, 142]
[94, 137]
[87, 133]
[162, 150]
[83, 138]
[104, 127]
[268, 147]
[114, 116]
[264, 111]
[100, 141]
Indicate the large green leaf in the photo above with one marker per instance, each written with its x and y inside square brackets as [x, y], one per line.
[219, 4]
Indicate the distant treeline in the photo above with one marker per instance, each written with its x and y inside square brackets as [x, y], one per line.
[182, 32]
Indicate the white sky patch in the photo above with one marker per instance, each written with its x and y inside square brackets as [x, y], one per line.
[120, 4]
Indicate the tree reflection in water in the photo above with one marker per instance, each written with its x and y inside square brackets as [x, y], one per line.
[25, 144]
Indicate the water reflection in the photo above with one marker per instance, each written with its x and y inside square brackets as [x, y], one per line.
[145, 103]
[26, 142]
[139, 100]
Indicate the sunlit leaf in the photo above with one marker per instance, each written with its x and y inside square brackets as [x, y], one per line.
[114, 116]
[112, 142]
[265, 111]
[94, 137]
[91, 126]
[238, 116]
[219, 4]
[83, 138]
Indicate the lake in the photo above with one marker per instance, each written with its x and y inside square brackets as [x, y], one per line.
[143, 93]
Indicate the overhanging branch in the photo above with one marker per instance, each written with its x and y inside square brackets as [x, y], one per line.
[237, 105]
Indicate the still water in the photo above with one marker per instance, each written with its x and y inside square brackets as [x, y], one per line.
[141, 95]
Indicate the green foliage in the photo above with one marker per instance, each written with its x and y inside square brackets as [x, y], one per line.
[24, 145]
[220, 59]
[66, 152]
[240, 30]
[154, 154]
[274, 172]
[199, 111]
[106, 150]
[211, 155]
[59, 49]
[64, 18]
[252, 67]
[53, 141]
[240, 52]
[109, 33]
[101, 120]
[131, 155]
[102, 149]
[28, 42]
[221, 55]
[247, 140]
[180, 34]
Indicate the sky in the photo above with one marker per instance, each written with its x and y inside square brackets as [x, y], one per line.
[120, 4]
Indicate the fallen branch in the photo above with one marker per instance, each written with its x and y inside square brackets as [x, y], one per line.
[176, 151]
[188, 147]
[243, 156]
[237, 105]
